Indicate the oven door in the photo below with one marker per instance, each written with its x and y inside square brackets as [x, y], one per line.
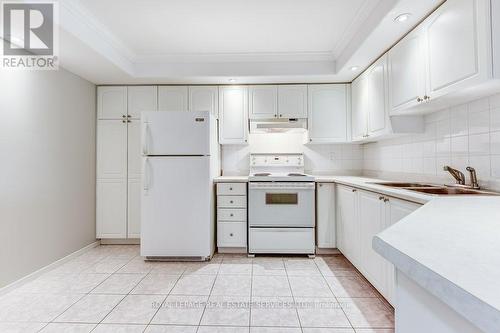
[281, 204]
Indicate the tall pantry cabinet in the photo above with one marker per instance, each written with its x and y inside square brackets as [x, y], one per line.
[119, 158]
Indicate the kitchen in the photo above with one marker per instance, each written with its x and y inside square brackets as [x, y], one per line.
[341, 174]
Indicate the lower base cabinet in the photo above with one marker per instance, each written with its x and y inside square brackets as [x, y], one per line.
[232, 217]
[360, 216]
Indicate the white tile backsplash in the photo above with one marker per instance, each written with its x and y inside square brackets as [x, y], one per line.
[460, 136]
[319, 159]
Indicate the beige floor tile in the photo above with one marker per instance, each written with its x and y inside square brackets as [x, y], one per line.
[156, 284]
[35, 307]
[113, 328]
[181, 310]
[270, 286]
[350, 286]
[367, 312]
[227, 310]
[222, 329]
[194, 285]
[327, 330]
[90, 309]
[235, 268]
[120, 284]
[321, 312]
[108, 265]
[172, 268]
[137, 265]
[21, 327]
[274, 311]
[170, 329]
[68, 328]
[205, 268]
[135, 309]
[268, 266]
[65, 283]
[314, 286]
[232, 285]
[374, 330]
[274, 330]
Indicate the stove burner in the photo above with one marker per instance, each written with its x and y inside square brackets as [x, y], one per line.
[262, 174]
[296, 175]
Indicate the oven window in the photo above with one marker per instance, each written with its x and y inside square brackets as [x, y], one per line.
[282, 199]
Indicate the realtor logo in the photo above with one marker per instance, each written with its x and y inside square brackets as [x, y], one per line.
[29, 35]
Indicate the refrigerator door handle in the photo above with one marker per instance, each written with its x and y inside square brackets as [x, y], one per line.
[145, 130]
[146, 175]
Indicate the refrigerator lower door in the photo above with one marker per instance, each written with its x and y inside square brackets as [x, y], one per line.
[175, 133]
[176, 214]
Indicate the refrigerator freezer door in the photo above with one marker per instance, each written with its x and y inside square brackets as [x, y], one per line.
[176, 215]
[175, 133]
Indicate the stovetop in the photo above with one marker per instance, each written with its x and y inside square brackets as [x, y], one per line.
[280, 177]
[278, 168]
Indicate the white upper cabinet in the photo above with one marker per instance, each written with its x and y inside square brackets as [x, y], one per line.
[141, 98]
[325, 217]
[172, 98]
[111, 102]
[292, 101]
[359, 95]
[263, 102]
[204, 98]
[328, 110]
[456, 46]
[376, 103]
[233, 115]
[406, 64]
[112, 149]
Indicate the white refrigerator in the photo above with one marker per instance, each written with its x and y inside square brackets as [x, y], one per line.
[181, 158]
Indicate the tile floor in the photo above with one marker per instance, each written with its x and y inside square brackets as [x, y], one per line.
[111, 289]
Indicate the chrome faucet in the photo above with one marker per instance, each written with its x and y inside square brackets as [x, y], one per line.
[457, 174]
[473, 178]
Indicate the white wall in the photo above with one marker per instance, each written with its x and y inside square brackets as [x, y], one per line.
[319, 159]
[460, 136]
[47, 169]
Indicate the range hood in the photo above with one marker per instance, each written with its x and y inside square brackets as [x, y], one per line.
[289, 125]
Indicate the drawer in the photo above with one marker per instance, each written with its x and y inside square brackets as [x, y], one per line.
[231, 234]
[231, 189]
[231, 201]
[281, 240]
[238, 214]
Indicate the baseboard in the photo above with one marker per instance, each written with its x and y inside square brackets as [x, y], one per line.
[326, 251]
[232, 250]
[120, 241]
[49, 267]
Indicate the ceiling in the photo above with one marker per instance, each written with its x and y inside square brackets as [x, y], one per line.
[211, 41]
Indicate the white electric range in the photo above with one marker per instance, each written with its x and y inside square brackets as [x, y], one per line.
[281, 205]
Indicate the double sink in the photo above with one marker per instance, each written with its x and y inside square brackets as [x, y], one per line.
[434, 189]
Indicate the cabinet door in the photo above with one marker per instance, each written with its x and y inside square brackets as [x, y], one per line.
[173, 98]
[292, 101]
[396, 210]
[204, 98]
[325, 205]
[134, 154]
[406, 67]
[263, 102]
[359, 103]
[141, 98]
[378, 115]
[328, 111]
[455, 45]
[111, 102]
[134, 208]
[111, 208]
[347, 223]
[371, 215]
[111, 149]
[233, 115]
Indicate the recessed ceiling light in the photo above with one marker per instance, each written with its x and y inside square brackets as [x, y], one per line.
[354, 68]
[402, 17]
[232, 80]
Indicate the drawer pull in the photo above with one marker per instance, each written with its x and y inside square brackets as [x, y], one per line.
[231, 201]
[230, 189]
[231, 214]
[231, 234]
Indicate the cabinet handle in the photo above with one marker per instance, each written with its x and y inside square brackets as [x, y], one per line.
[386, 200]
[124, 116]
[231, 201]
[230, 189]
[281, 115]
[129, 121]
[381, 198]
[231, 234]
[426, 97]
[320, 185]
[124, 121]
[354, 190]
[419, 99]
[129, 116]
[310, 140]
[231, 214]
